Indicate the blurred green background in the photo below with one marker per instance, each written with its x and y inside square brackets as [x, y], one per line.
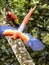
[38, 27]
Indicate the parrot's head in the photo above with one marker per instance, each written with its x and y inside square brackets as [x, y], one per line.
[7, 10]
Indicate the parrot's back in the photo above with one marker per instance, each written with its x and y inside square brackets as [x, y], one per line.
[12, 18]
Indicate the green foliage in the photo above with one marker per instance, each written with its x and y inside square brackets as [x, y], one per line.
[38, 26]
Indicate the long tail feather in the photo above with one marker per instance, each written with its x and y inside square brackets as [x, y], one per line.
[25, 21]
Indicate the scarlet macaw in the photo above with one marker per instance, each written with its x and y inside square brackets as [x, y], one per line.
[29, 41]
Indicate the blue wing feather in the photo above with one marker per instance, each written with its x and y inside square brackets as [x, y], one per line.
[34, 43]
[3, 28]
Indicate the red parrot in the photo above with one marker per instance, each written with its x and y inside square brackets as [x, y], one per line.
[11, 17]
